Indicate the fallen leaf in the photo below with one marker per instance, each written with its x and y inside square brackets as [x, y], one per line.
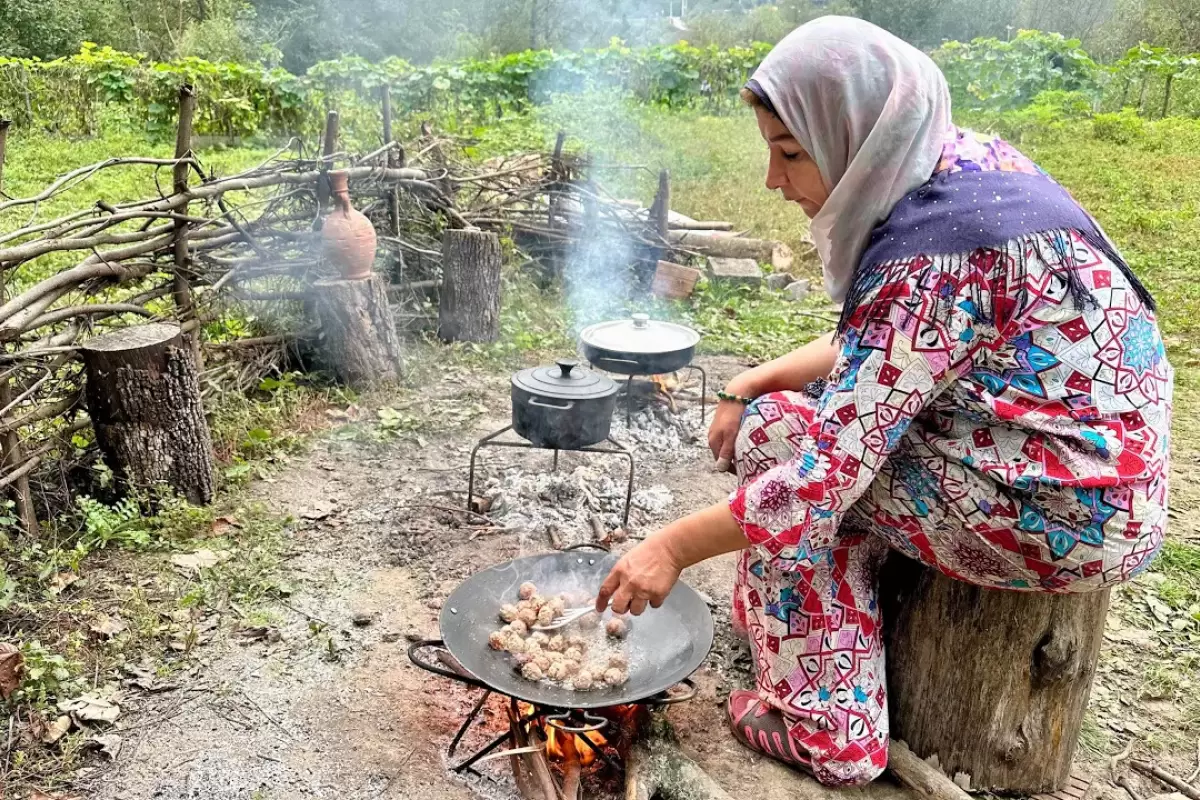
[199, 560]
[1161, 611]
[222, 525]
[107, 626]
[11, 664]
[319, 510]
[91, 707]
[108, 744]
[61, 581]
[57, 729]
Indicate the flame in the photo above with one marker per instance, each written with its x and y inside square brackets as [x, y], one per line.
[563, 746]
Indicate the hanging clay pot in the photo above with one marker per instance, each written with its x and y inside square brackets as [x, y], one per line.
[348, 237]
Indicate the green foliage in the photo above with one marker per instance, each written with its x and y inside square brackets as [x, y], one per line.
[995, 75]
[1122, 127]
[121, 524]
[47, 675]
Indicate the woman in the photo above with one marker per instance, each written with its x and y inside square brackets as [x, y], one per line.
[997, 404]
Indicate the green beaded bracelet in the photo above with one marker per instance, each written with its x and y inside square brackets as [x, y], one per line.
[735, 398]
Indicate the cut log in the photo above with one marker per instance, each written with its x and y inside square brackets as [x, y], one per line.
[143, 395]
[470, 304]
[357, 331]
[656, 769]
[993, 684]
[921, 777]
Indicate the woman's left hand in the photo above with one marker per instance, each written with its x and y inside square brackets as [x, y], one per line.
[644, 576]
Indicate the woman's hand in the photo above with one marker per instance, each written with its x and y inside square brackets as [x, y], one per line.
[722, 433]
[644, 576]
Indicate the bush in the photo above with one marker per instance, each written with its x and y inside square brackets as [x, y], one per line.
[1121, 127]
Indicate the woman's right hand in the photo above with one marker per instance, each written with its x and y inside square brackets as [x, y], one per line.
[722, 433]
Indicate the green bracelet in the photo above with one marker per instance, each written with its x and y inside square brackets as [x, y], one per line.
[734, 398]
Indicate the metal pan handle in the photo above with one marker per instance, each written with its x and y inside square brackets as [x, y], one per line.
[440, 645]
[602, 359]
[533, 401]
[582, 545]
[679, 693]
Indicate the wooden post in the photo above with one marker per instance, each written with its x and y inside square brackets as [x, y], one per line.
[12, 454]
[143, 395]
[357, 331]
[660, 213]
[393, 196]
[181, 290]
[328, 148]
[994, 683]
[470, 305]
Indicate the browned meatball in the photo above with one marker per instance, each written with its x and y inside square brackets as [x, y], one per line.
[616, 628]
[526, 591]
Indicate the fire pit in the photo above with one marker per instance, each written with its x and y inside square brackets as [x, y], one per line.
[550, 726]
[564, 407]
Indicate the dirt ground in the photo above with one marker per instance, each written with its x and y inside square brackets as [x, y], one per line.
[328, 705]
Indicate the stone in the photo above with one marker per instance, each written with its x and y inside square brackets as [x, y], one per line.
[778, 281]
[362, 619]
[798, 290]
[735, 271]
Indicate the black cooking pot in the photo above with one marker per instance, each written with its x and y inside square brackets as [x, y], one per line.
[565, 407]
[638, 346]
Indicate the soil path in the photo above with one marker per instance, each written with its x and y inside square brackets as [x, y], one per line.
[335, 710]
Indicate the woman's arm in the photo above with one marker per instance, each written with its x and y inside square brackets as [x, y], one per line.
[791, 372]
[647, 573]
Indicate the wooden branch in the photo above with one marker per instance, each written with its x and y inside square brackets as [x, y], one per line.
[922, 778]
[94, 310]
[83, 173]
[40, 413]
[16, 312]
[1166, 778]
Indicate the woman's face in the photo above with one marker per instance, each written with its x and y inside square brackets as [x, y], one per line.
[792, 171]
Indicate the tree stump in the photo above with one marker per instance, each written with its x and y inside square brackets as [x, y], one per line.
[993, 683]
[357, 331]
[470, 306]
[143, 395]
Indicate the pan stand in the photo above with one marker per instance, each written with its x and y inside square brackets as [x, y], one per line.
[576, 721]
[617, 449]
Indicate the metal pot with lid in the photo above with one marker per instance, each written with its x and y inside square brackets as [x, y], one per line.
[565, 407]
[639, 345]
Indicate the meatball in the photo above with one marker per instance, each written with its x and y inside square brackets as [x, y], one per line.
[533, 647]
[542, 662]
[537, 601]
[498, 640]
[615, 677]
[526, 591]
[570, 665]
[582, 680]
[525, 605]
[557, 671]
[532, 672]
[545, 615]
[575, 640]
[521, 659]
[557, 644]
[589, 622]
[528, 617]
[541, 638]
[616, 628]
[573, 654]
[619, 661]
[558, 604]
[518, 627]
[514, 643]
[508, 612]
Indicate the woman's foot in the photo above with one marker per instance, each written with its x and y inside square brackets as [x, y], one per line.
[762, 728]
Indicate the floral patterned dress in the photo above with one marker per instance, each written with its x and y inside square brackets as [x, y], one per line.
[992, 429]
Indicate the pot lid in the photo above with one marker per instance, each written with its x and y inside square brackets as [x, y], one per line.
[566, 380]
[639, 334]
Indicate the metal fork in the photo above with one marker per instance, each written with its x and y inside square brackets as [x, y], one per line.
[566, 618]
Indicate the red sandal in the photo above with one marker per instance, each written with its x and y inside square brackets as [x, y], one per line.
[762, 728]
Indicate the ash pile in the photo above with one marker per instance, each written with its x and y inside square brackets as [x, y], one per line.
[655, 428]
[571, 504]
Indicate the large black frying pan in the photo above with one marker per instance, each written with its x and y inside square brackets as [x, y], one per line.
[665, 645]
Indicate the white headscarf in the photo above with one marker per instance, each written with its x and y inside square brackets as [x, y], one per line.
[872, 111]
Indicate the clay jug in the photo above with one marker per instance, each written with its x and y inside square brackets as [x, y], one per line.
[348, 237]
